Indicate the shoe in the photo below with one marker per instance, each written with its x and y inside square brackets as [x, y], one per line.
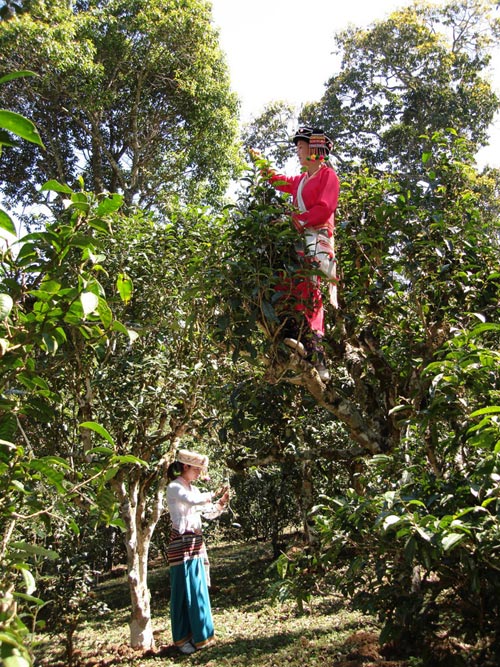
[207, 644]
[323, 371]
[187, 648]
[295, 345]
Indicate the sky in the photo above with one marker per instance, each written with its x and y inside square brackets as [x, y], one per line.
[283, 50]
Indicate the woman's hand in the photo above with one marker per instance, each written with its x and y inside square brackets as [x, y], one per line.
[296, 223]
[262, 164]
[224, 495]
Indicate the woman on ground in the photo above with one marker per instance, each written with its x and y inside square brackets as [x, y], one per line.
[190, 611]
[315, 194]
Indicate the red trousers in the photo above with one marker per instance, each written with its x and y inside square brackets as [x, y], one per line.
[301, 294]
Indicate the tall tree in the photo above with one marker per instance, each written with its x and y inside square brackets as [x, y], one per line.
[392, 221]
[135, 97]
[414, 262]
[137, 398]
[45, 305]
[422, 70]
[417, 241]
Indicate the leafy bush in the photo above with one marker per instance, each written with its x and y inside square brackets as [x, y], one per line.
[43, 303]
[68, 586]
[421, 550]
[265, 503]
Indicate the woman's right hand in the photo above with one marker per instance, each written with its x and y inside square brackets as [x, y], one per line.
[262, 163]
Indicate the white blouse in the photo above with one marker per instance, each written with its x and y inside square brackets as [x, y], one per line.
[187, 505]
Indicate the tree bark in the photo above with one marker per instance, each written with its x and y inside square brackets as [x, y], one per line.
[365, 433]
[307, 503]
[141, 628]
[140, 514]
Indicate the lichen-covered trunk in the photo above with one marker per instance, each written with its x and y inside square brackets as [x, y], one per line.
[140, 515]
[141, 629]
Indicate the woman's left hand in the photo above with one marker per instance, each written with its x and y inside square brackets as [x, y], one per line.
[224, 499]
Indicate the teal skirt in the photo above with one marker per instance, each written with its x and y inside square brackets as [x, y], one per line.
[190, 611]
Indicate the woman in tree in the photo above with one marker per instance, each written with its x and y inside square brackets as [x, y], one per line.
[190, 611]
[315, 193]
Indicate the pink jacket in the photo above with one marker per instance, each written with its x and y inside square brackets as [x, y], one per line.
[320, 195]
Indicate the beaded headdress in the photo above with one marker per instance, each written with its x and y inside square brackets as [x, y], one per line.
[319, 144]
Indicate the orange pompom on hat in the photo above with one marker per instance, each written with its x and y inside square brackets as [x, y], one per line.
[192, 459]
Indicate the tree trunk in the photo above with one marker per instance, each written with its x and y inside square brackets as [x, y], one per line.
[365, 432]
[141, 629]
[140, 514]
[307, 503]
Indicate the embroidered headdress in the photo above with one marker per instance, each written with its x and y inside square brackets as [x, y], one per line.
[319, 144]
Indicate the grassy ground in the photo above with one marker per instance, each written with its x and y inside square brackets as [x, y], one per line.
[251, 630]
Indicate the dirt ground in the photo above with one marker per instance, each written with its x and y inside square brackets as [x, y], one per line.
[252, 630]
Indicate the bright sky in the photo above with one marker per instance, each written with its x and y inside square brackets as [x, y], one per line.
[282, 50]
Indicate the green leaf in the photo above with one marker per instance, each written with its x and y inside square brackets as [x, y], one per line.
[390, 521]
[29, 581]
[417, 503]
[6, 305]
[424, 533]
[102, 449]
[34, 550]
[6, 223]
[121, 328]
[105, 312]
[269, 312]
[93, 426]
[80, 201]
[5, 140]
[109, 205]
[397, 408]
[491, 410]
[29, 598]
[50, 286]
[51, 343]
[106, 502]
[15, 661]
[378, 459]
[8, 444]
[20, 126]
[117, 522]
[451, 540]
[55, 186]
[74, 526]
[89, 302]
[17, 75]
[100, 225]
[56, 461]
[49, 473]
[125, 287]
[483, 328]
[7, 639]
[128, 458]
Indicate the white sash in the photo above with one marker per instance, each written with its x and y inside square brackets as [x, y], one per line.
[320, 247]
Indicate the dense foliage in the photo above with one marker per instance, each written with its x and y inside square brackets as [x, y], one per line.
[133, 97]
[46, 310]
[413, 348]
[418, 72]
[126, 329]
